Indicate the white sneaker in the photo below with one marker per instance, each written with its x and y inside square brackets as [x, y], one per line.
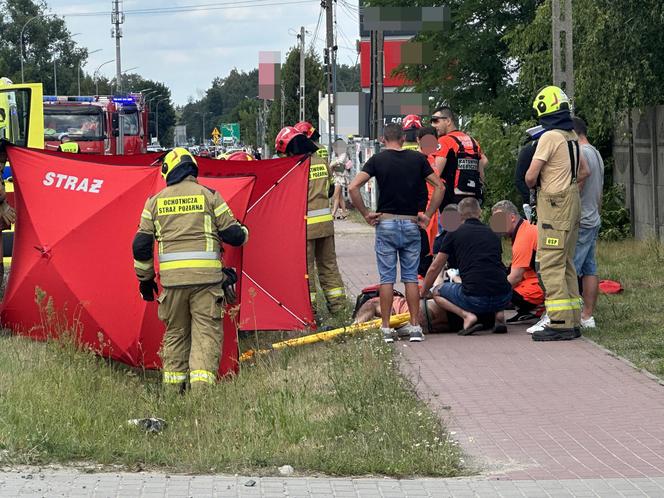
[415, 333]
[388, 335]
[539, 326]
[589, 323]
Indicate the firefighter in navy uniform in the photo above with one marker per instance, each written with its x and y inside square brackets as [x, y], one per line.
[410, 125]
[321, 252]
[189, 222]
[556, 170]
[459, 158]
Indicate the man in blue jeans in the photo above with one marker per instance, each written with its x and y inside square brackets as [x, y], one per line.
[401, 176]
[484, 288]
[591, 203]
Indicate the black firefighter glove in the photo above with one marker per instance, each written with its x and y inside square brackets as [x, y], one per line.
[148, 289]
[228, 285]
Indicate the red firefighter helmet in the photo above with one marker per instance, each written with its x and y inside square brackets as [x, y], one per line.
[284, 137]
[240, 155]
[306, 128]
[411, 121]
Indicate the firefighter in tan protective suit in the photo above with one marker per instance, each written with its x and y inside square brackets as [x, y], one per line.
[557, 169]
[321, 253]
[189, 222]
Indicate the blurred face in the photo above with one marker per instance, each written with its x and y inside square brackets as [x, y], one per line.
[441, 123]
[503, 223]
[428, 144]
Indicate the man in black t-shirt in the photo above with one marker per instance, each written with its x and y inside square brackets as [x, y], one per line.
[401, 176]
[484, 288]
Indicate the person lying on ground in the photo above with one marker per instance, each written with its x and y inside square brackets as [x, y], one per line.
[484, 287]
[527, 293]
[432, 318]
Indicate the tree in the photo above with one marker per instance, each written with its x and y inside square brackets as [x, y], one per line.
[158, 95]
[348, 78]
[471, 69]
[617, 57]
[45, 40]
[290, 83]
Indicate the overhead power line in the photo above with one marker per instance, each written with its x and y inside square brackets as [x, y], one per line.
[237, 4]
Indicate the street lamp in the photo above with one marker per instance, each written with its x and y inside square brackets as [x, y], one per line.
[203, 133]
[94, 75]
[79, 70]
[21, 40]
[118, 84]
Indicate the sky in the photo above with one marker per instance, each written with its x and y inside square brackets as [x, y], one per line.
[187, 50]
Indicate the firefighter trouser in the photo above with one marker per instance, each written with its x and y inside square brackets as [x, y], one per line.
[191, 345]
[558, 228]
[322, 256]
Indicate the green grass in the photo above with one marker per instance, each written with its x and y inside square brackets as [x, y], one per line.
[340, 408]
[632, 323]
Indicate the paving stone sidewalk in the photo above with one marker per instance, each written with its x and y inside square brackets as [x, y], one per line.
[527, 410]
[66, 483]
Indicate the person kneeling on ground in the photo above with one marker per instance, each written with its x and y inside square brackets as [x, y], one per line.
[484, 287]
[527, 293]
[432, 317]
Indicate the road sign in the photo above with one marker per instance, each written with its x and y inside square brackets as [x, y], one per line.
[215, 136]
[230, 132]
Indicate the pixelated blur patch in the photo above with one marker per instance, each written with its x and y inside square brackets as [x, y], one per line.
[269, 74]
[339, 147]
[499, 222]
[428, 144]
[403, 20]
[450, 219]
[416, 53]
[403, 104]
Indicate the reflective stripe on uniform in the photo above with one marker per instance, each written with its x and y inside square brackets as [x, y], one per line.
[143, 265]
[202, 376]
[175, 377]
[209, 238]
[335, 292]
[221, 209]
[190, 263]
[188, 255]
[319, 216]
[312, 296]
[157, 235]
[563, 304]
[146, 214]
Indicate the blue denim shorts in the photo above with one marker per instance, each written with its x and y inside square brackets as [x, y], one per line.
[475, 304]
[584, 257]
[397, 238]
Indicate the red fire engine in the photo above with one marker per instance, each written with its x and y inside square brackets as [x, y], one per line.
[97, 123]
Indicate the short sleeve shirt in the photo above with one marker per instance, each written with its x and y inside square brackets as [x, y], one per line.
[524, 248]
[401, 177]
[552, 148]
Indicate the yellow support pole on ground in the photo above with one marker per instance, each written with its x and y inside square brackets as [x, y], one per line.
[395, 321]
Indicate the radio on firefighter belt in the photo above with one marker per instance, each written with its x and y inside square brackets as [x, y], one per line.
[467, 180]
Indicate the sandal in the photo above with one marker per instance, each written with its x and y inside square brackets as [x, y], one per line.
[471, 330]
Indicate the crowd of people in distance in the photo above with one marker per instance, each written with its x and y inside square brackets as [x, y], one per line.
[428, 223]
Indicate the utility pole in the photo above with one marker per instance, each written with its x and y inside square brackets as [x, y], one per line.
[283, 106]
[302, 58]
[331, 62]
[377, 93]
[55, 77]
[563, 55]
[117, 18]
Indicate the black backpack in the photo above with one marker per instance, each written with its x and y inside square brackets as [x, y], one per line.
[369, 293]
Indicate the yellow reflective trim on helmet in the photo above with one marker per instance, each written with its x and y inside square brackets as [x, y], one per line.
[190, 263]
[550, 99]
